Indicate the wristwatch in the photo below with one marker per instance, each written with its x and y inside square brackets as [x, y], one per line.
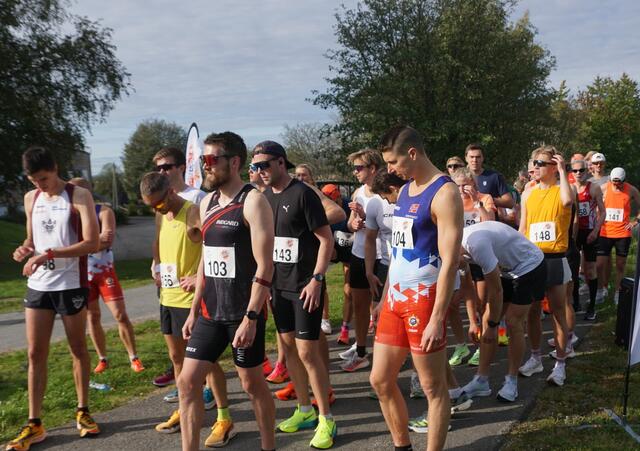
[493, 324]
[318, 277]
[251, 315]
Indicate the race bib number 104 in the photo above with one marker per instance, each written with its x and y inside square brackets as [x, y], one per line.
[401, 235]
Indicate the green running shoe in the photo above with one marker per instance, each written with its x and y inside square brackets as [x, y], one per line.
[475, 358]
[420, 425]
[299, 420]
[459, 354]
[325, 433]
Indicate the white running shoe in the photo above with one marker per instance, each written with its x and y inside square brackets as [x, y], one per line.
[616, 297]
[601, 295]
[583, 290]
[477, 388]
[355, 363]
[557, 376]
[569, 353]
[416, 388]
[552, 342]
[349, 353]
[508, 392]
[531, 367]
[462, 402]
[325, 325]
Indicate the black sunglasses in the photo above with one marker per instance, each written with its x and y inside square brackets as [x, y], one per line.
[454, 166]
[262, 165]
[578, 170]
[165, 167]
[359, 167]
[542, 163]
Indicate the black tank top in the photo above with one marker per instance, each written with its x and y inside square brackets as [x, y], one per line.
[229, 265]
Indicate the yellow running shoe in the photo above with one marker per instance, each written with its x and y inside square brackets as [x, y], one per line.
[222, 432]
[85, 424]
[171, 425]
[325, 433]
[28, 435]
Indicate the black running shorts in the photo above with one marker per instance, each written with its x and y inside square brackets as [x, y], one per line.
[289, 315]
[64, 302]
[527, 288]
[172, 319]
[209, 339]
[605, 245]
[589, 249]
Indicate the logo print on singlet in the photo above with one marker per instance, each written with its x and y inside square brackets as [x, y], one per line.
[414, 208]
[49, 226]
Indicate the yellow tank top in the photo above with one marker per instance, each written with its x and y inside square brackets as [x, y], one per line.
[179, 256]
[548, 220]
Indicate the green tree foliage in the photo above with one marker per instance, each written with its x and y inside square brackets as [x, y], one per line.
[565, 122]
[457, 70]
[149, 137]
[110, 177]
[58, 75]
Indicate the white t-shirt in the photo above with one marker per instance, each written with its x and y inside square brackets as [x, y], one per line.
[380, 218]
[193, 195]
[359, 236]
[493, 243]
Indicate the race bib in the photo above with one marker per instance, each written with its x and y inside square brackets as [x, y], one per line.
[542, 232]
[343, 239]
[614, 215]
[169, 275]
[219, 262]
[401, 236]
[471, 218]
[285, 250]
[584, 209]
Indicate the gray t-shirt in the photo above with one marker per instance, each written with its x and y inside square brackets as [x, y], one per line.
[601, 181]
[492, 243]
[380, 217]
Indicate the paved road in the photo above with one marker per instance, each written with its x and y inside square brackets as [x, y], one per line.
[134, 240]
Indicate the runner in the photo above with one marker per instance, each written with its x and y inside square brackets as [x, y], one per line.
[103, 281]
[303, 246]
[427, 230]
[546, 216]
[234, 277]
[487, 180]
[179, 237]
[366, 163]
[61, 230]
[591, 214]
[515, 274]
[304, 173]
[617, 228]
[598, 168]
[453, 164]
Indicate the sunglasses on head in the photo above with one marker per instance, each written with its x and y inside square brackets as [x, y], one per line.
[262, 165]
[454, 166]
[576, 171]
[359, 167]
[165, 167]
[542, 163]
[212, 160]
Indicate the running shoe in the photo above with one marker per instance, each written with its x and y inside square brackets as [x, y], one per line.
[299, 420]
[207, 397]
[616, 297]
[85, 424]
[325, 326]
[343, 338]
[459, 354]
[601, 295]
[266, 367]
[29, 435]
[326, 431]
[570, 353]
[101, 366]
[477, 388]
[590, 315]
[557, 376]
[509, 391]
[287, 393]
[531, 366]
[171, 425]
[137, 366]
[165, 379]
[462, 402]
[222, 432]
[420, 424]
[416, 388]
[332, 398]
[503, 338]
[583, 290]
[172, 396]
[475, 358]
[349, 353]
[279, 374]
[546, 308]
[552, 342]
[355, 364]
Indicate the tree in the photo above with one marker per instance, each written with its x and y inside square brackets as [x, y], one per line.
[110, 176]
[59, 74]
[149, 137]
[456, 70]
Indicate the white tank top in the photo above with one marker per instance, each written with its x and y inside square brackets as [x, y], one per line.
[359, 236]
[55, 223]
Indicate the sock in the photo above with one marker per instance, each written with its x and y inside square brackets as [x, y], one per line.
[35, 421]
[535, 353]
[223, 413]
[560, 363]
[482, 379]
[132, 357]
[593, 290]
[305, 409]
[361, 350]
[328, 416]
[403, 448]
[82, 409]
[511, 379]
[103, 358]
[455, 393]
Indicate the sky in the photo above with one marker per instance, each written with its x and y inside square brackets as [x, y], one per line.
[250, 66]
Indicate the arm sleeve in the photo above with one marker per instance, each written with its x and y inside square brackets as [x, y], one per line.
[501, 185]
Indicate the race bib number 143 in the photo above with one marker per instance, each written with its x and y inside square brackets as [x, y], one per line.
[285, 250]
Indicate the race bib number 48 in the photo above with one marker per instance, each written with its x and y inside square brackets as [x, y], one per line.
[169, 275]
[219, 262]
[285, 250]
[542, 232]
[614, 215]
[401, 236]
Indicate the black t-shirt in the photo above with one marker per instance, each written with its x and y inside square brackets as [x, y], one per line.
[297, 212]
[491, 182]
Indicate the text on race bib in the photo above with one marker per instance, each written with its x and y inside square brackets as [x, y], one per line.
[471, 218]
[219, 262]
[615, 215]
[542, 232]
[169, 275]
[343, 239]
[285, 250]
[401, 235]
[584, 209]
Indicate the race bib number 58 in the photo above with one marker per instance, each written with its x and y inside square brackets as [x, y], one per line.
[285, 250]
[542, 232]
[401, 236]
[219, 262]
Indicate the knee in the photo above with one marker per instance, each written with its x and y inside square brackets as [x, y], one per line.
[307, 355]
[37, 354]
[434, 388]
[186, 386]
[515, 325]
[250, 386]
[79, 350]
[121, 317]
[381, 383]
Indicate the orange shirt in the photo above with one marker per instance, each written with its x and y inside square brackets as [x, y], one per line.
[471, 213]
[617, 205]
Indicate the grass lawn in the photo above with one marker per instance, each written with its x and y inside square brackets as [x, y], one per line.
[60, 398]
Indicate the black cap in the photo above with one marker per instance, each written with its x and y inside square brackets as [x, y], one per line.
[275, 149]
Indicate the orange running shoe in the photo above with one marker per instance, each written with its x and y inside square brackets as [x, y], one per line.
[279, 374]
[332, 399]
[286, 394]
[343, 338]
[136, 365]
[266, 367]
[546, 308]
[101, 366]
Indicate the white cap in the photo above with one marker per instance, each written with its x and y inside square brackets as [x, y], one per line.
[617, 174]
[597, 157]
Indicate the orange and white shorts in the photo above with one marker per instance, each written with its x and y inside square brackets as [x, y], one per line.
[105, 284]
[402, 323]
